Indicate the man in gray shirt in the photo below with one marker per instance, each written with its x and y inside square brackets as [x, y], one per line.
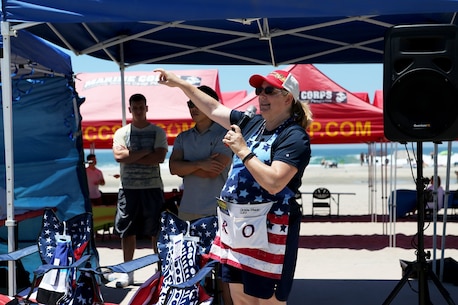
[202, 159]
[139, 147]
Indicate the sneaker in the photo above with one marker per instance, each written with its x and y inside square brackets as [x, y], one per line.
[125, 280]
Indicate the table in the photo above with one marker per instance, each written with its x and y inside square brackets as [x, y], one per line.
[332, 193]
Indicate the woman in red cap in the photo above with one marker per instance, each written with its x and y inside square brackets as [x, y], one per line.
[259, 218]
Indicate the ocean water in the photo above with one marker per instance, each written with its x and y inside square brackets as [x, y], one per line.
[343, 154]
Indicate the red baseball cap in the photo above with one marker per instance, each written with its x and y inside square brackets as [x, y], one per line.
[278, 79]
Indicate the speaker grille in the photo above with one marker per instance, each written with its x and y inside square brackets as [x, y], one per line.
[423, 104]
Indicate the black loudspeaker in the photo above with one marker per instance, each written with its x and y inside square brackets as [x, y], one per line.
[420, 81]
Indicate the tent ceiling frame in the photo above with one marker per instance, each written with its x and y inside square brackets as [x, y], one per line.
[125, 38]
[113, 58]
[265, 33]
[193, 49]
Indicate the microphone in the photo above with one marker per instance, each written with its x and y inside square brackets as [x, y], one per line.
[247, 116]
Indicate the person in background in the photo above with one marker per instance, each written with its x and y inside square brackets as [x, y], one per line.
[200, 157]
[440, 194]
[271, 153]
[139, 147]
[94, 179]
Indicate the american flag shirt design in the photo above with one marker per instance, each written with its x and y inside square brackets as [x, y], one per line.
[242, 188]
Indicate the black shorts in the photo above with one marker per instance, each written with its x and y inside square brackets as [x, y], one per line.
[263, 287]
[138, 212]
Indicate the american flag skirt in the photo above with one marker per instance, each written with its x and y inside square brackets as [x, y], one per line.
[268, 261]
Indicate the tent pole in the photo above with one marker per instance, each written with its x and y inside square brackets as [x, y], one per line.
[446, 200]
[436, 151]
[382, 187]
[370, 165]
[385, 195]
[9, 162]
[391, 198]
[369, 180]
[393, 193]
[374, 197]
[122, 68]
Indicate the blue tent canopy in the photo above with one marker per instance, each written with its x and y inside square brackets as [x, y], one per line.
[236, 32]
[137, 10]
[40, 138]
[48, 155]
[33, 53]
[272, 41]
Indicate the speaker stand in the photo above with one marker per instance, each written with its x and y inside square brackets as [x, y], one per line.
[421, 267]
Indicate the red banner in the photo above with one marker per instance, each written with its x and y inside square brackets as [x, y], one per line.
[101, 133]
[346, 131]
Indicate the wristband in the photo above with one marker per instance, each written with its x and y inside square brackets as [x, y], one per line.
[248, 157]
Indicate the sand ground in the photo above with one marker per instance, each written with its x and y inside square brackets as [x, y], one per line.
[365, 182]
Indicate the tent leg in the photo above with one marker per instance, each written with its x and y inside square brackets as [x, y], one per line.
[9, 162]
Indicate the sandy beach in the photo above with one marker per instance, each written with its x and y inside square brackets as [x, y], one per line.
[345, 178]
[353, 273]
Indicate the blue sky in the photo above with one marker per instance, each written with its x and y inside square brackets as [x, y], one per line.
[353, 77]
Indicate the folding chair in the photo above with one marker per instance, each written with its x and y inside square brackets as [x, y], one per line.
[22, 276]
[64, 247]
[321, 200]
[184, 264]
[88, 284]
[406, 203]
[183, 254]
[183, 250]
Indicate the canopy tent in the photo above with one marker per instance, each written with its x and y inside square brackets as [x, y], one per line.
[102, 112]
[362, 96]
[225, 32]
[40, 136]
[34, 56]
[378, 99]
[338, 115]
[44, 115]
[48, 160]
[118, 11]
[232, 97]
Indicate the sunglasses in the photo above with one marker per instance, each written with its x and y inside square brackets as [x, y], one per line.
[190, 104]
[267, 90]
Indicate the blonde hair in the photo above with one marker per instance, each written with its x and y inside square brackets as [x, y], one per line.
[302, 114]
